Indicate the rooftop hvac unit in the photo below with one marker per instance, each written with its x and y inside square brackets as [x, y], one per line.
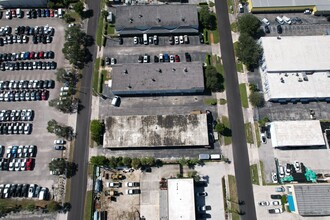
[282, 80]
[328, 74]
[304, 76]
[300, 79]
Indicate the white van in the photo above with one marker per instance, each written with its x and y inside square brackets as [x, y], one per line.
[60, 13]
[265, 21]
[43, 193]
[279, 20]
[19, 13]
[286, 19]
[145, 39]
[115, 101]
[64, 89]
[215, 156]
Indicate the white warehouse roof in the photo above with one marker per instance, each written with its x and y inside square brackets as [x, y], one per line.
[296, 53]
[296, 133]
[181, 199]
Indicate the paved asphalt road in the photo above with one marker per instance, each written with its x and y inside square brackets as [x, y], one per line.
[241, 156]
[80, 157]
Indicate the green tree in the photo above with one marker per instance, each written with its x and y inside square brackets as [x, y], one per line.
[113, 162]
[53, 206]
[214, 80]
[105, 13]
[68, 105]
[96, 129]
[249, 24]
[257, 99]
[207, 19]
[57, 166]
[148, 161]
[192, 162]
[52, 125]
[253, 87]
[68, 18]
[99, 160]
[263, 121]
[127, 161]
[248, 51]
[220, 128]
[61, 75]
[136, 163]
[79, 7]
[183, 161]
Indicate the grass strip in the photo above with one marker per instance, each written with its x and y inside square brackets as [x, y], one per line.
[254, 174]
[262, 173]
[256, 129]
[244, 98]
[225, 121]
[210, 101]
[96, 74]
[216, 37]
[248, 133]
[88, 205]
[233, 197]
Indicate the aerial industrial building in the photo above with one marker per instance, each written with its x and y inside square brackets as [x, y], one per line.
[23, 3]
[157, 79]
[149, 131]
[300, 74]
[294, 134]
[157, 19]
[317, 7]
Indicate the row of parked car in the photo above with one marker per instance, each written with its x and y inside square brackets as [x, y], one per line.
[24, 95]
[13, 39]
[21, 151]
[36, 30]
[20, 164]
[27, 84]
[27, 55]
[36, 65]
[42, 13]
[23, 190]
[16, 115]
[15, 128]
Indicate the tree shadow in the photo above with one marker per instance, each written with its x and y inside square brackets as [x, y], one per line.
[87, 14]
[72, 169]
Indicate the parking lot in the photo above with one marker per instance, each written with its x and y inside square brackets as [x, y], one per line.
[42, 112]
[311, 25]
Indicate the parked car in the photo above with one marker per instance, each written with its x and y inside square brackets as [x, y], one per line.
[280, 189]
[59, 147]
[279, 29]
[264, 203]
[201, 194]
[277, 203]
[133, 184]
[297, 166]
[204, 208]
[275, 211]
[275, 196]
[133, 191]
[59, 142]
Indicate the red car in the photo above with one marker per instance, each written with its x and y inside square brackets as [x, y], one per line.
[44, 95]
[29, 163]
[31, 56]
[51, 13]
[177, 58]
[13, 13]
[41, 55]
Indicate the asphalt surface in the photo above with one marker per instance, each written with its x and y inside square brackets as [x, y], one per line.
[80, 157]
[240, 152]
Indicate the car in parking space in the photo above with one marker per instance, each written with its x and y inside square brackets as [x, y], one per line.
[155, 39]
[275, 211]
[181, 39]
[267, 29]
[176, 39]
[264, 203]
[171, 40]
[177, 58]
[113, 61]
[172, 58]
[161, 57]
[297, 166]
[59, 147]
[281, 171]
[263, 138]
[187, 56]
[279, 29]
[136, 41]
[201, 38]
[268, 134]
[276, 203]
[275, 196]
[133, 191]
[204, 208]
[280, 189]
[32, 188]
[201, 194]
[166, 57]
[140, 59]
[132, 184]
[288, 169]
[59, 142]
[146, 58]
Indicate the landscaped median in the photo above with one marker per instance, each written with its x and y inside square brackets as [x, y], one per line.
[254, 174]
[234, 209]
[244, 98]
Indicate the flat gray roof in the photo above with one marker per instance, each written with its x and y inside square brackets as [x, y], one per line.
[289, 3]
[157, 77]
[293, 86]
[181, 199]
[296, 133]
[305, 53]
[312, 199]
[156, 131]
[166, 17]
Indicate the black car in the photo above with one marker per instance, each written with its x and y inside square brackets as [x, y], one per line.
[276, 196]
[52, 32]
[51, 84]
[25, 190]
[268, 132]
[120, 41]
[156, 59]
[267, 30]
[201, 38]
[188, 57]
[279, 29]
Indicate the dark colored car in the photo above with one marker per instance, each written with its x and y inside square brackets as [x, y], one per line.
[279, 29]
[201, 38]
[275, 196]
[188, 57]
[268, 132]
[267, 30]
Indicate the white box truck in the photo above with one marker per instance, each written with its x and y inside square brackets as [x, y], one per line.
[145, 39]
[215, 156]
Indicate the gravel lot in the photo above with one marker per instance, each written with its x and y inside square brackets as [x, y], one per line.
[43, 113]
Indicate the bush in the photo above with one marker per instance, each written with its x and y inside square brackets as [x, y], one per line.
[207, 19]
[99, 160]
[68, 18]
[257, 99]
[214, 80]
[96, 129]
[248, 51]
[249, 24]
[78, 7]
[136, 163]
